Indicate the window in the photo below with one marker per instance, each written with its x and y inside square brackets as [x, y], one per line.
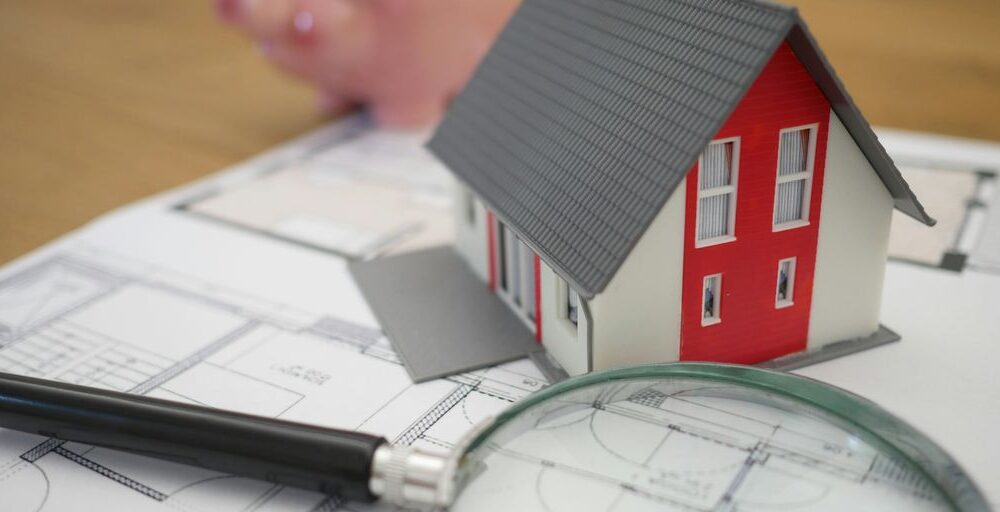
[569, 304]
[572, 305]
[502, 250]
[711, 299]
[470, 208]
[512, 261]
[718, 167]
[796, 151]
[785, 292]
[515, 273]
[527, 266]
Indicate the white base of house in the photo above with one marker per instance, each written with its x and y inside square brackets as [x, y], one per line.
[555, 373]
[807, 357]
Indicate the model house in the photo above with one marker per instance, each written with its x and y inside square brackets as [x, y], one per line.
[651, 181]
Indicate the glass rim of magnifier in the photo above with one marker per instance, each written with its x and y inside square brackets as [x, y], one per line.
[871, 423]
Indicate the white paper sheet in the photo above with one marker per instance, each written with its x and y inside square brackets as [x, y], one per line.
[156, 300]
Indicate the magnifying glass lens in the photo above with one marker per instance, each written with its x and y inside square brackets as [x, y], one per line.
[677, 443]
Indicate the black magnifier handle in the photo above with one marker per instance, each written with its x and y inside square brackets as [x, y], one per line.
[334, 462]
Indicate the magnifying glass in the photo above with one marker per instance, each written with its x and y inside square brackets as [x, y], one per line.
[681, 436]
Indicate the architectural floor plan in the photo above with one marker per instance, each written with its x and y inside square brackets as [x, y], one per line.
[88, 318]
[362, 194]
[211, 294]
[660, 446]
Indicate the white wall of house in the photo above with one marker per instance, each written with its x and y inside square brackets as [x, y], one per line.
[637, 319]
[470, 234]
[567, 343]
[853, 242]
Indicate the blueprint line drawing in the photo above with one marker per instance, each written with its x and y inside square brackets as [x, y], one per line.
[694, 450]
[109, 473]
[203, 325]
[92, 318]
[357, 193]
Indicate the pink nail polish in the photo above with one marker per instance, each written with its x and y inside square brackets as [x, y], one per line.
[304, 23]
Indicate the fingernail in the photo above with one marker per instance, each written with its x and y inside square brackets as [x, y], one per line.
[317, 16]
[304, 23]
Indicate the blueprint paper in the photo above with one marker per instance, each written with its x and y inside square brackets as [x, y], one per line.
[941, 378]
[162, 303]
[365, 193]
[82, 314]
[986, 253]
[688, 449]
[168, 302]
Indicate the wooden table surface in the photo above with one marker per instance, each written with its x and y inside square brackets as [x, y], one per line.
[106, 101]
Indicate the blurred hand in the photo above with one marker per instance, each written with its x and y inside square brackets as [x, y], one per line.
[403, 59]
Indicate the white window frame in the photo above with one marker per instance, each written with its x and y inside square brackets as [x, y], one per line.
[564, 292]
[807, 175]
[503, 274]
[784, 303]
[727, 189]
[525, 308]
[529, 294]
[713, 320]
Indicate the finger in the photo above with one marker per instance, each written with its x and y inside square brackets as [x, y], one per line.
[332, 103]
[263, 19]
[407, 114]
[291, 58]
[338, 27]
[329, 45]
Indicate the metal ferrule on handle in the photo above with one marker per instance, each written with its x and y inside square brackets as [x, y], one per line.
[414, 478]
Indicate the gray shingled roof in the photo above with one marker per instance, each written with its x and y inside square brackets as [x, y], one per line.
[586, 115]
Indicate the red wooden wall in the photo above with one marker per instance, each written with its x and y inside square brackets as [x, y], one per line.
[752, 329]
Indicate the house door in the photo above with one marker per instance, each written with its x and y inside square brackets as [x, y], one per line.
[516, 275]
